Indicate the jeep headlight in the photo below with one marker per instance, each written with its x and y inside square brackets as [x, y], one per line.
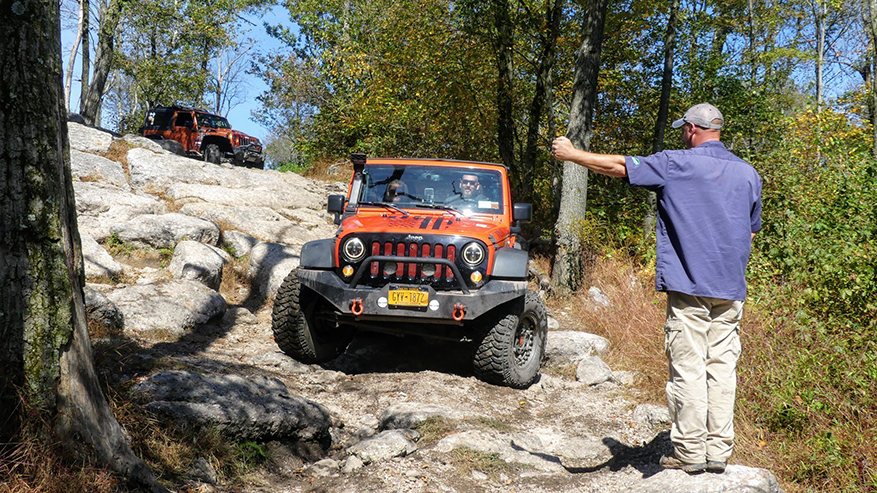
[473, 254]
[353, 250]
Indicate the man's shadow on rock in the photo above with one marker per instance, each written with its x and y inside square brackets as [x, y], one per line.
[644, 458]
[371, 352]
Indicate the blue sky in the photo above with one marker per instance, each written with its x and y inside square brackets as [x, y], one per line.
[239, 116]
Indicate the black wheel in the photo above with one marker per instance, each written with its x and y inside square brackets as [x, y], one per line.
[512, 349]
[212, 153]
[304, 324]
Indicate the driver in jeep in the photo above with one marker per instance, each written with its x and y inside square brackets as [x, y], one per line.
[470, 190]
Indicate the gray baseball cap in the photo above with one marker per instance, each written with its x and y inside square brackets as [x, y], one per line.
[702, 115]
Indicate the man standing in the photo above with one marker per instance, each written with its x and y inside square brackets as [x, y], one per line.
[709, 208]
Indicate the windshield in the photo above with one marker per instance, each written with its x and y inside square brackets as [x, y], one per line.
[212, 121]
[464, 189]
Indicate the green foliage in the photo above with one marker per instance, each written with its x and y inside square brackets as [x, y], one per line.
[813, 269]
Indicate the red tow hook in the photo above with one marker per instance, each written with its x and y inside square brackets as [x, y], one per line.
[356, 306]
[459, 311]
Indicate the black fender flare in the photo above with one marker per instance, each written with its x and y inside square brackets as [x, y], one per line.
[318, 254]
[510, 263]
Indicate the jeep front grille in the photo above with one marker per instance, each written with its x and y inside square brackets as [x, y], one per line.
[410, 271]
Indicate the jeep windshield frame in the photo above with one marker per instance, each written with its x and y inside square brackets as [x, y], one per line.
[212, 121]
[464, 189]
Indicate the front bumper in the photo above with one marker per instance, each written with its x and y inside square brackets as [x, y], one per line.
[374, 307]
[250, 153]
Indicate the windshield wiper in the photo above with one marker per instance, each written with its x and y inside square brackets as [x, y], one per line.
[384, 204]
[441, 208]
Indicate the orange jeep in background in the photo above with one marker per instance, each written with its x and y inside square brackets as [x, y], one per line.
[203, 135]
[425, 247]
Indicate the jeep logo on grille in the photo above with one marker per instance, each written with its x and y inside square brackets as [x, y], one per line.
[414, 238]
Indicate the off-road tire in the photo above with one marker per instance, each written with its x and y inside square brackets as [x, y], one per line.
[512, 349]
[300, 327]
[212, 154]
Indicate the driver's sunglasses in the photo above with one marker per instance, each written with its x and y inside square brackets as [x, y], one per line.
[468, 182]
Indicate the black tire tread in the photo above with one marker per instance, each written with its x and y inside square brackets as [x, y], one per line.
[293, 331]
[492, 362]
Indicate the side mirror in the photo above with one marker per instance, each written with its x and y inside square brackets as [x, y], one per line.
[522, 212]
[336, 206]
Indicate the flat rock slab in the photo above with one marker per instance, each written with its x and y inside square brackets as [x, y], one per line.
[172, 308]
[88, 139]
[166, 230]
[244, 407]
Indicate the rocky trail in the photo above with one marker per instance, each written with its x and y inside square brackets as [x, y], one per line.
[391, 413]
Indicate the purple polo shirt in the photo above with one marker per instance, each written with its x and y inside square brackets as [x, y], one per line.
[709, 204]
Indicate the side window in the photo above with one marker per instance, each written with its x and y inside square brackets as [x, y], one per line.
[183, 120]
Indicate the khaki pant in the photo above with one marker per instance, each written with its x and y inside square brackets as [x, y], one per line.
[702, 345]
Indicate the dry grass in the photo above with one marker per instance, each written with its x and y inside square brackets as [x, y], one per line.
[331, 170]
[118, 152]
[632, 323]
[235, 278]
[36, 461]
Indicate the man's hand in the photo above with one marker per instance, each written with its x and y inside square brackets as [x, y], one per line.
[606, 164]
[562, 149]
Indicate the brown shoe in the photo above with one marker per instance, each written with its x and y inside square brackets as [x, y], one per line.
[671, 462]
[716, 466]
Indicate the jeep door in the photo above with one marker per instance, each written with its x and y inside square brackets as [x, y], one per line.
[183, 130]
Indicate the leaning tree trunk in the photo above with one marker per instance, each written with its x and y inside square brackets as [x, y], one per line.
[109, 20]
[541, 97]
[568, 267]
[84, 29]
[45, 352]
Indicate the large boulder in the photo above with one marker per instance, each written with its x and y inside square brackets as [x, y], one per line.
[198, 262]
[166, 230]
[98, 262]
[99, 309]
[284, 226]
[167, 309]
[276, 197]
[90, 167]
[385, 445]
[568, 346]
[244, 407]
[88, 139]
[270, 263]
[101, 206]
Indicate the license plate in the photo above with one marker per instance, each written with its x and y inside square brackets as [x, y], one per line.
[416, 297]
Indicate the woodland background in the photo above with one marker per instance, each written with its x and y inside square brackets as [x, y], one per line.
[495, 81]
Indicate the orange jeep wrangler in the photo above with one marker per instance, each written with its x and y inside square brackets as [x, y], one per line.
[425, 247]
[202, 135]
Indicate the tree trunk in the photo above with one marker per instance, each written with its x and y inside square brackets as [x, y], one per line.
[84, 14]
[110, 17]
[872, 28]
[505, 125]
[663, 108]
[568, 267]
[543, 86]
[68, 74]
[45, 352]
[819, 24]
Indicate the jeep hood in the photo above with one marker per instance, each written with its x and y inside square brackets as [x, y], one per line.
[240, 134]
[419, 224]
